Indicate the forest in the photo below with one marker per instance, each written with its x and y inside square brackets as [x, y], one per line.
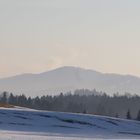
[81, 101]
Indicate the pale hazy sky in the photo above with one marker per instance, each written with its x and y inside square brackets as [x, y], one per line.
[39, 35]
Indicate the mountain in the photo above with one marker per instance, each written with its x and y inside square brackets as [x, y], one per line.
[66, 79]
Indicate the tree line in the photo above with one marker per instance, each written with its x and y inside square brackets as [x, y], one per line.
[82, 101]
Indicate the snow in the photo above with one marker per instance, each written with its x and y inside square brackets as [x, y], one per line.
[23, 123]
[35, 137]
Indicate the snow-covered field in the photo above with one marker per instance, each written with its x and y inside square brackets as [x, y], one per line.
[26, 124]
[35, 137]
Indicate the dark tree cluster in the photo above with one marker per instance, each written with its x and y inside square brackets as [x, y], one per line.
[82, 101]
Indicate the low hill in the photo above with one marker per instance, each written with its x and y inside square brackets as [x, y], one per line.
[27, 122]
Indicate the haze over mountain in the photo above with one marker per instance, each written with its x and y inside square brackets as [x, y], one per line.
[68, 78]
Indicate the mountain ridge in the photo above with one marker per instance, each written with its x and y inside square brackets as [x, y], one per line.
[68, 78]
[67, 67]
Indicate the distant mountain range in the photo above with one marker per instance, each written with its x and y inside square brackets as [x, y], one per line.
[66, 79]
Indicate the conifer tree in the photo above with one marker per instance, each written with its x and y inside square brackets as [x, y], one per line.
[138, 116]
[128, 115]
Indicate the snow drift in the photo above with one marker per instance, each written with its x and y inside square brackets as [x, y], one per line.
[66, 124]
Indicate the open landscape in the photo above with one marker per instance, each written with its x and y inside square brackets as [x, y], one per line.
[69, 69]
[23, 123]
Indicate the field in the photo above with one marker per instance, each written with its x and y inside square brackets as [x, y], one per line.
[26, 124]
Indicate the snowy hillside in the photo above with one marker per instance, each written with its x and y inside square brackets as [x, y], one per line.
[26, 122]
[65, 79]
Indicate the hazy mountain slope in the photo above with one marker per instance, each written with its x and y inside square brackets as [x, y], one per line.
[69, 78]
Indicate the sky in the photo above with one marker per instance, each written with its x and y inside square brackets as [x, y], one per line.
[40, 35]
